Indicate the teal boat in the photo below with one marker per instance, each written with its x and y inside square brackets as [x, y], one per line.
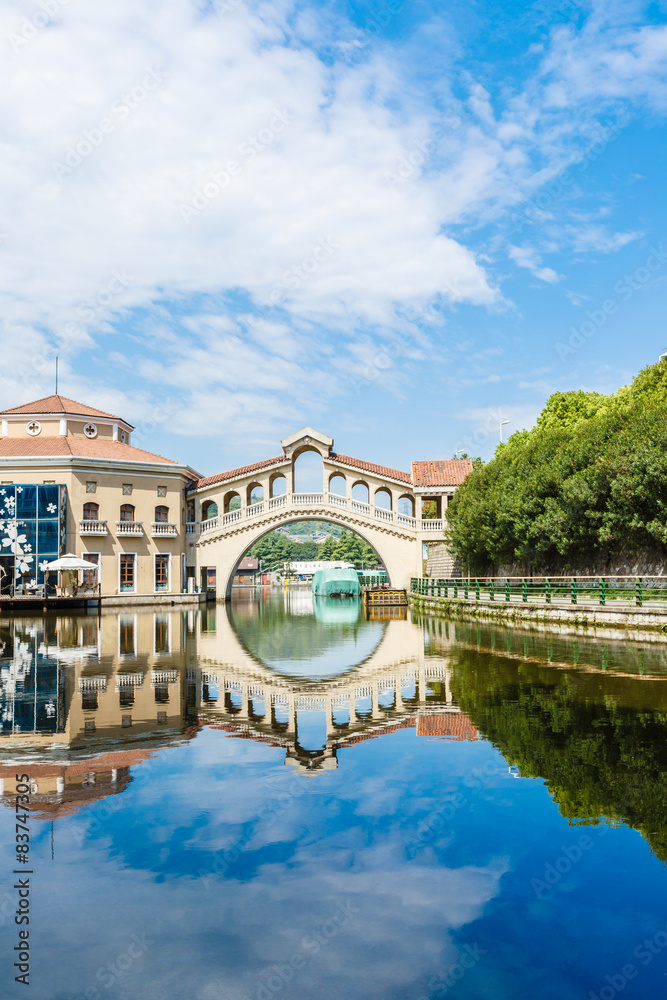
[336, 583]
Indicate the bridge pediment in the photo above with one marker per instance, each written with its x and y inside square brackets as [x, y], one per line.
[307, 437]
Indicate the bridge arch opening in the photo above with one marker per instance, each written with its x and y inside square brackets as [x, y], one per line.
[360, 491]
[255, 494]
[356, 549]
[209, 509]
[382, 499]
[308, 471]
[277, 485]
[406, 505]
[338, 485]
[232, 501]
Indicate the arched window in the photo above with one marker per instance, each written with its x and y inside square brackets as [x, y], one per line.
[161, 514]
[127, 512]
[406, 505]
[91, 512]
[360, 492]
[209, 509]
[255, 494]
[278, 484]
[382, 499]
[308, 472]
[338, 485]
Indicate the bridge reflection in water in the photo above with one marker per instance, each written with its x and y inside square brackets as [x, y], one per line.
[85, 698]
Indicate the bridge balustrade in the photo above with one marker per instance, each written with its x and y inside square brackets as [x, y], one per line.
[318, 500]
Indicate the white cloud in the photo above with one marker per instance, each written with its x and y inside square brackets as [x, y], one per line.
[301, 227]
[529, 258]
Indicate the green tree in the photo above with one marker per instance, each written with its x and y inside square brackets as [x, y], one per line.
[327, 549]
[587, 483]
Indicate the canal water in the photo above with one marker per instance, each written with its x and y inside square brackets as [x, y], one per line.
[281, 799]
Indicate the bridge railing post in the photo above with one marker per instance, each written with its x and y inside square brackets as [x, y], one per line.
[507, 589]
[638, 592]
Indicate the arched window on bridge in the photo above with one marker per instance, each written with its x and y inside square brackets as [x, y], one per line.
[232, 501]
[360, 492]
[255, 494]
[338, 485]
[209, 508]
[278, 485]
[406, 505]
[382, 499]
[308, 472]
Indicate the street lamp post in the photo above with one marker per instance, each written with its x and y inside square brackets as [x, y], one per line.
[502, 424]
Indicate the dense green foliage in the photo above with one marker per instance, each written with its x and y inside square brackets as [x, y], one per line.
[275, 550]
[588, 482]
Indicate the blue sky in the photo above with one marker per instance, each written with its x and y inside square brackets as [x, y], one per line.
[399, 223]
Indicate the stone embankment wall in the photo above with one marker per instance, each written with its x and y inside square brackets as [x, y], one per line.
[647, 563]
[440, 564]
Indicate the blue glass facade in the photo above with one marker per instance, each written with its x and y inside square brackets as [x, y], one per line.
[33, 532]
[32, 683]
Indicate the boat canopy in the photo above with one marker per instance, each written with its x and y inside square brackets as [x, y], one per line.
[336, 581]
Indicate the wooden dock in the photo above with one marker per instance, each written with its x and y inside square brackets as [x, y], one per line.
[30, 602]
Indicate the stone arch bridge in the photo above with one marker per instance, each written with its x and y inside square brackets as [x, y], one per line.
[231, 511]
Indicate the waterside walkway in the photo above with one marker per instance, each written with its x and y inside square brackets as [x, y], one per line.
[628, 601]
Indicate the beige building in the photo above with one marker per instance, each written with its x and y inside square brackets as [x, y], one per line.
[72, 480]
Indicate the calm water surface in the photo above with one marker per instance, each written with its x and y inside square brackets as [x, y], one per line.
[281, 800]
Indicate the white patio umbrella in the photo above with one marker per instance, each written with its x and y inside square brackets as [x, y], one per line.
[69, 562]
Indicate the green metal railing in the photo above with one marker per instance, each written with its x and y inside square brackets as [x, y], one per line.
[603, 590]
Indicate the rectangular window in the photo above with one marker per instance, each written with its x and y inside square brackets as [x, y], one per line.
[127, 489]
[126, 721]
[91, 487]
[91, 576]
[162, 491]
[162, 572]
[162, 718]
[89, 700]
[89, 725]
[126, 573]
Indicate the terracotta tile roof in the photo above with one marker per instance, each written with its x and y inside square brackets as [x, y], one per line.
[57, 447]
[378, 470]
[455, 725]
[449, 472]
[60, 404]
[244, 470]
[248, 563]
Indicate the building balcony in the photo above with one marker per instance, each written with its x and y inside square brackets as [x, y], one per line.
[92, 527]
[129, 527]
[191, 528]
[164, 528]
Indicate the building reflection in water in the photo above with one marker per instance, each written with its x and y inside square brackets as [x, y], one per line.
[86, 697]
